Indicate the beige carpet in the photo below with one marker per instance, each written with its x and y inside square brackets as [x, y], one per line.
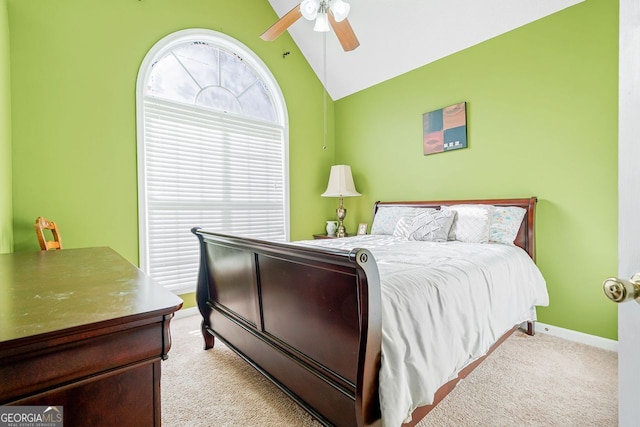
[529, 381]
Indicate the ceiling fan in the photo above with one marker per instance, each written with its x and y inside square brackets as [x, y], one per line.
[325, 13]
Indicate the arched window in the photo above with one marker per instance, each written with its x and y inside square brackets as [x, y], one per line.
[212, 151]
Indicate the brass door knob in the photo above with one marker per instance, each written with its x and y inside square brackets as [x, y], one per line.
[620, 290]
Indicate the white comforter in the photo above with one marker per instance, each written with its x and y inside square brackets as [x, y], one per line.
[443, 306]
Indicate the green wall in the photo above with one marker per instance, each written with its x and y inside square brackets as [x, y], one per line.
[542, 120]
[74, 65]
[6, 226]
[542, 117]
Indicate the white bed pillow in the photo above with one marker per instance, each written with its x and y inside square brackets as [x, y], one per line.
[387, 218]
[505, 223]
[471, 224]
[402, 227]
[432, 226]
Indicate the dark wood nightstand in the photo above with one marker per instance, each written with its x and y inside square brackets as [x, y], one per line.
[325, 236]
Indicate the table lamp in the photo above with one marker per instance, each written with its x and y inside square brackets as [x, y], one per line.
[340, 185]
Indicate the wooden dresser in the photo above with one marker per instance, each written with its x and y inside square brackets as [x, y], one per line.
[86, 330]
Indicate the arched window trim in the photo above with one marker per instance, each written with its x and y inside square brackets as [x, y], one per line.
[228, 43]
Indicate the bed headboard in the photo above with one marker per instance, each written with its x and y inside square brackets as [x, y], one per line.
[525, 238]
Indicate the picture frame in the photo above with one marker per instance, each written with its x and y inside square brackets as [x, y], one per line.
[445, 129]
[362, 228]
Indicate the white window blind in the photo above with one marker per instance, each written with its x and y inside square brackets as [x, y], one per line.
[203, 166]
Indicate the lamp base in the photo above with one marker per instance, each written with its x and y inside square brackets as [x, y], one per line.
[341, 213]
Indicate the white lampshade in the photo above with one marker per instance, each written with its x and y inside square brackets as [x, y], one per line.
[309, 9]
[340, 10]
[322, 22]
[340, 183]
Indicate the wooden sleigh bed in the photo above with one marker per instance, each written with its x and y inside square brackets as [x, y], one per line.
[309, 318]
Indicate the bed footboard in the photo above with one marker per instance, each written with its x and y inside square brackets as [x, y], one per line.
[308, 319]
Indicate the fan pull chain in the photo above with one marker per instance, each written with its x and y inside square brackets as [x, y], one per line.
[324, 88]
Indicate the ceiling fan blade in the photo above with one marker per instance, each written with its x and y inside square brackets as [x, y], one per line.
[345, 33]
[282, 24]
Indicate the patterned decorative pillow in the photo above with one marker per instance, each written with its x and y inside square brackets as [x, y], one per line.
[431, 226]
[471, 224]
[387, 218]
[402, 227]
[505, 223]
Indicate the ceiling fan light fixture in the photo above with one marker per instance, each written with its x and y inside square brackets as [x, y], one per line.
[322, 20]
[309, 9]
[322, 23]
[340, 10]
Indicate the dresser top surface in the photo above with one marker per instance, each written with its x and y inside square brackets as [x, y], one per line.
[48, 291]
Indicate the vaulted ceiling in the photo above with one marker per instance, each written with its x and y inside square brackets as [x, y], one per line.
[397, 36]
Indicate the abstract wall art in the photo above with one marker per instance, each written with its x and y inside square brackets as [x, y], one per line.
[445, 129]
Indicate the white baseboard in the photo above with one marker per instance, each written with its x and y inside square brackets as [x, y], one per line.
[576, 336]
